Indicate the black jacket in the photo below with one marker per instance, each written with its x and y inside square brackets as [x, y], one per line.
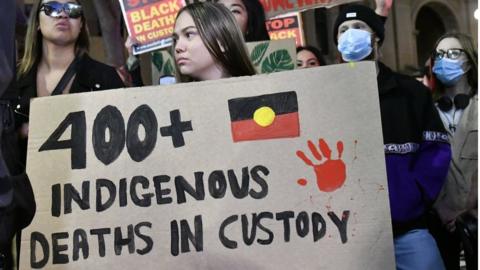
[416, 148]
[91, 75]
[15, 216]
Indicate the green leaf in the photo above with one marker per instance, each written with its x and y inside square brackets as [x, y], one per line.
[169, 70]
[258, 52]
[157, 59]
[277, 61]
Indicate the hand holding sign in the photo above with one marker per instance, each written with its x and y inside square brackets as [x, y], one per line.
[331, 174]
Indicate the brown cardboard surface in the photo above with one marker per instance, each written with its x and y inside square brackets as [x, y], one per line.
[335, 103]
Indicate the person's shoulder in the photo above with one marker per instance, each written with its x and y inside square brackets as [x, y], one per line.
[411, 86]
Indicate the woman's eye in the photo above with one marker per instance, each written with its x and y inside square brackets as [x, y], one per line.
[236, 11]
[190, 34]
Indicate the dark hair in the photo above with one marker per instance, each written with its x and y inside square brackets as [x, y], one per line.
[256, 27]
[33, 40]
[470, 50]
[315, 52]
[221, 36]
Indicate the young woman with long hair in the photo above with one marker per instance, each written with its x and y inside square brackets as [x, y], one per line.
[208, 44]
[55, 60]
[455, 72]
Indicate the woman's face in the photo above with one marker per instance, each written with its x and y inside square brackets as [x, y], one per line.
[58, 26]
[306, 59]
[191, 56]
[451, 48]
[239, 10]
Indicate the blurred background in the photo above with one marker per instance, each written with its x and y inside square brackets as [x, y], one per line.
[412, 28]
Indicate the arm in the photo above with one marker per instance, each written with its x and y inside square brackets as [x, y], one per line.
[434, 156]
[133, 63]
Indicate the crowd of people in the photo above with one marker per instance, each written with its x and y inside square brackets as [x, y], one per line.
[430, 141]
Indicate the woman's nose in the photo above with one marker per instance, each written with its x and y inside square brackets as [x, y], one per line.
[179, 46]
[63, 13]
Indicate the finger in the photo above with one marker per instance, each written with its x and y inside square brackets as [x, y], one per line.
[130, 43]
[340, 149]
[305, 159]
[327, 153]
[314, 150]
[388, 3]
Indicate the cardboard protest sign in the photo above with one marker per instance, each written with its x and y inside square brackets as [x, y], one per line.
[150, 22]
[163, 65]
[267, 56]
[273, 55]
[278, 7]
[285, 27]
[277, 171]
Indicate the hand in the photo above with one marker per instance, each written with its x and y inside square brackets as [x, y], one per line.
[129, 43]
[331, 174]
[383, 7]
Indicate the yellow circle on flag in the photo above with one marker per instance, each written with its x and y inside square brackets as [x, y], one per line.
[264, 116]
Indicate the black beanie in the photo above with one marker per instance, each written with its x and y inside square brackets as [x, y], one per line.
[361, 13]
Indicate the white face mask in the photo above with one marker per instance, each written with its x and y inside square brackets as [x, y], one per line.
[355, 45]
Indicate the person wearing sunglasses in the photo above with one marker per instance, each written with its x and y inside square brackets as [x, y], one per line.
[455, 88]
[56, 61]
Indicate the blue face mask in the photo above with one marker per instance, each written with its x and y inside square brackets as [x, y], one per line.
[448, 71]
[355, 45]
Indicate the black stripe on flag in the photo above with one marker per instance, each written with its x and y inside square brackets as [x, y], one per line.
[281, 103]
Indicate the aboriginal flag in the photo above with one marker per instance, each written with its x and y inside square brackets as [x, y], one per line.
[264, 117]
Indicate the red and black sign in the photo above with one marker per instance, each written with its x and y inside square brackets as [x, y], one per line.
[277, 117]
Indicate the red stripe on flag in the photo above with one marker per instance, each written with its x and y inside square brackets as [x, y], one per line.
[284, 126]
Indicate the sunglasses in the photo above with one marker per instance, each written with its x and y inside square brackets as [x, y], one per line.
[451, 54]
[54, 9]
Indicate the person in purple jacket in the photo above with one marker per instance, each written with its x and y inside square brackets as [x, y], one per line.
[417, 152]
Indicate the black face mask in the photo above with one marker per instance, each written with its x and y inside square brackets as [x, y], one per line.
[460, 101]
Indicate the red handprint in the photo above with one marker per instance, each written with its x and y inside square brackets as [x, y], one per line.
[331, 174]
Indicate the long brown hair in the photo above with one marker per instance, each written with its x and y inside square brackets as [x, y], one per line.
[469, 47]
[33, 41]
[222, 37]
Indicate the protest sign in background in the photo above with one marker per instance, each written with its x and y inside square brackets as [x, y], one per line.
[285, 27]
[277, 171]
[278, 7]
[273, 55]
[150, 22]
